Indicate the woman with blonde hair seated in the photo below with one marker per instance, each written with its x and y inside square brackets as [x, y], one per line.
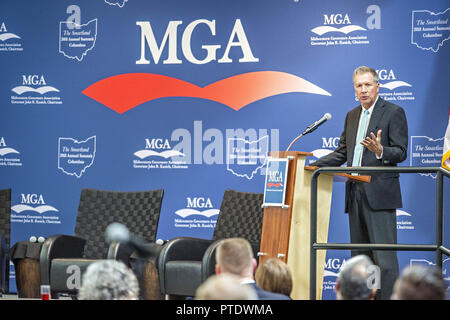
[275, 276]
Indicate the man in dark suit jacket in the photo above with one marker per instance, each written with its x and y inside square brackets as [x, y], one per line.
[235, 256]
[375, 134]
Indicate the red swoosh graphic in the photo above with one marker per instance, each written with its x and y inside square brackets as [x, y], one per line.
[126, 91]
[271, 184]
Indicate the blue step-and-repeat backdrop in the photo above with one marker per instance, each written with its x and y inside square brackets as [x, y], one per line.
[190, 96]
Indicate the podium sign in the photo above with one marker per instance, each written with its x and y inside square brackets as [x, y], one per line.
[275, 186]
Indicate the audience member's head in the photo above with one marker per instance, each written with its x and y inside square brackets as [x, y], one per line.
[354, 280]
[419, 282]
[275, 276]
[225, 286]
[109, 280]
[235, 256]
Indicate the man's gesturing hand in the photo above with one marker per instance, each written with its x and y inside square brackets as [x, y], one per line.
[373, 143]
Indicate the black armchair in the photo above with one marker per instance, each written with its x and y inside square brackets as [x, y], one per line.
[64, 258]
[5, 218]
[185, 262]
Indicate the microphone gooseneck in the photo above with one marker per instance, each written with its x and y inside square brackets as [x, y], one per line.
[311, 128]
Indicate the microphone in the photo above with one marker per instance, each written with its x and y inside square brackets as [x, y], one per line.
[117, 232]
[316, 124]
[311, 128]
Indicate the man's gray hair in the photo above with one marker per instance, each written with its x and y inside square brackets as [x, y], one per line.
[364, 69]
[354, 278]
[109, 280]
[419, 282]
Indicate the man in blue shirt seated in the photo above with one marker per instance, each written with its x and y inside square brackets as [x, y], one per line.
[235, 256]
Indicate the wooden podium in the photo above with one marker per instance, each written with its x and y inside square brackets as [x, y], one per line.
[286, 230]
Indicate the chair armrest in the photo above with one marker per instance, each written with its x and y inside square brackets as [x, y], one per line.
[59, 246]
[184, 248]
[120, 251]
[181, 248]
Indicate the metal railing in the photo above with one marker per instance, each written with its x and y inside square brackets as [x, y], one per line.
[438, 247]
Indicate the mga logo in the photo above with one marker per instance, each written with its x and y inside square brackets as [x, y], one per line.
[8, 40]
[330, 142]
[32, 202]
[8, 155]
[331, 272]
[32, 209]
[336, 19]
[333, 266]
[391, 83]
[196, 203]
[388, 75]
[4, 150]
[5, 35]
[35, 80]
[275, 179]
[340, 23]
[159, 148]
[171, 38]
[36, 84]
